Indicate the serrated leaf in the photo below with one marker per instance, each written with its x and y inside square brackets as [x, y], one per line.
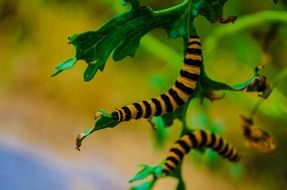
[120, 35]
[68, 64]
[146, 171]
[104, 120]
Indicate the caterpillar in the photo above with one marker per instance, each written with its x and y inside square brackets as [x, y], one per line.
[195, 139]
[176, 96]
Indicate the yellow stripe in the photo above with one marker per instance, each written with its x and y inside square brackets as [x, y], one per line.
[194, 40]
[143, 109]
[162, 104]
[223, 146]
[181, 94]
[167, 169]
[197, 135]
[186, 139]
[234, 152]
[230, 150]
[133, 111]
[216, 141]
[193, 56]
[172, 154]
[173, 102]
[194, 46]
[208, 137]
[191, 69]
[170, 163]
[118, 114]
[187, 82]
[124, 115]
[178, 147]
[153, 107]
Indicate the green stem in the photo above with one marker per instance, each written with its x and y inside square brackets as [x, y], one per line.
[256, 107]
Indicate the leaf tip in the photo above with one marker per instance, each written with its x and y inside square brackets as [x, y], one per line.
[79, 140]
[71, 39]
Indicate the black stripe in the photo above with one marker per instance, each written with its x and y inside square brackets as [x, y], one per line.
[148, 109]
[173, 159]
[219, 146]
[213, 140]
[183, 145]
[235, 158]
[127, 112]
[194, 42]
[203, 138]
[193, 62]
[158, 108]
[169, 166]
[167, 102]
[177, 152]
[121, 115]
[230, 152]
[165, 171]
[176, 97]
[183, 88]
[115, 115]
[224, 151]
[139, 109]
[193, 140]
[189, 75]
[193, 51]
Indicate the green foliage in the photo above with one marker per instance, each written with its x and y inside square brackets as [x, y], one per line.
[146, 171]
[121, 35]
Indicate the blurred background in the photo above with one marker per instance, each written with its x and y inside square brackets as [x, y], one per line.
[40, 116]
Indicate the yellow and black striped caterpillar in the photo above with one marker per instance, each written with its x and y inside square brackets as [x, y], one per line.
[176, 96]
[198, 138]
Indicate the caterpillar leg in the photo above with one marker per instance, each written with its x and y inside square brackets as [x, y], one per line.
[196, 139]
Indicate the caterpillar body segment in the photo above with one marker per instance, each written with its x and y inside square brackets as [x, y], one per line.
[176, 96]
[196, 139]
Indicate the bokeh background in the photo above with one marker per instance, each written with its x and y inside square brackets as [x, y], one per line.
[40, 116]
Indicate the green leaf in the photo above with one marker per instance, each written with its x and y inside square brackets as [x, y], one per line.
[104, 120]
[68, 64]
[144, 186]
[160, 134]
[146, 171]
[120, 35]
[210, 9]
